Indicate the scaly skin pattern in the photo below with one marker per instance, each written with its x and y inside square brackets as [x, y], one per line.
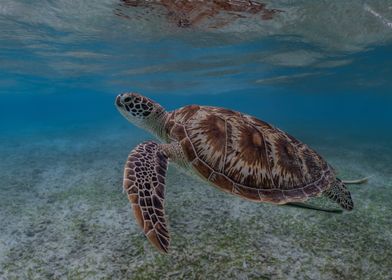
[248, 157]
[144, 183]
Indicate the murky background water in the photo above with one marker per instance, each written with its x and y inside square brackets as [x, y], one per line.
[318, 69]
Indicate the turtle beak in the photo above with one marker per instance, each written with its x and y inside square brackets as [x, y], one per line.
[118, 101]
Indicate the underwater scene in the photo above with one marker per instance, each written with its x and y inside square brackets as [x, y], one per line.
[104, 174]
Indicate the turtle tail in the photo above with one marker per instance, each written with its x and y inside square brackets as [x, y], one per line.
[340, 194]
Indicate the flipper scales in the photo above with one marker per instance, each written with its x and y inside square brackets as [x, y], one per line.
[144, 182]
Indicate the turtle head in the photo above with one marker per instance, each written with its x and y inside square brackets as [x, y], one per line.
[138, 109]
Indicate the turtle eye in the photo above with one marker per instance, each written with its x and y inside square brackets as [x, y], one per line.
[127, 99]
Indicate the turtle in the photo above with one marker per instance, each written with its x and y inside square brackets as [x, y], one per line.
[213, 14]
[235, 152]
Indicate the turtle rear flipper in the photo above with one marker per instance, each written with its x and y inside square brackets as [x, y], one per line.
[340, 194]
[357, 181]
[144, 182]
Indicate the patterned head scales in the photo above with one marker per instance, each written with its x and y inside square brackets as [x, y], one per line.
[135, 107]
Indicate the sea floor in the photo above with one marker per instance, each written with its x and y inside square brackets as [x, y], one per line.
[63, 216]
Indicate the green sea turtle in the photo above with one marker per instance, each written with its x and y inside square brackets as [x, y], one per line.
[234, 152]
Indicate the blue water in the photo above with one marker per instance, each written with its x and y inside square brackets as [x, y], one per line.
[320, 71]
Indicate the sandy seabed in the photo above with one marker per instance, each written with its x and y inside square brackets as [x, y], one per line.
[63, 216]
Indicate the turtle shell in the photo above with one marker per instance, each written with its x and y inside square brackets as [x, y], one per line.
[248, 157]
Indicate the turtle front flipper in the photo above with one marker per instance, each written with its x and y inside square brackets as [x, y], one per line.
[144, 182]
